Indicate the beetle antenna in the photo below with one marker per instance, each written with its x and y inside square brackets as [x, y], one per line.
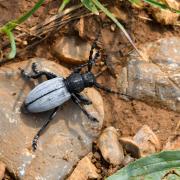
[92, 59]
[106, 89]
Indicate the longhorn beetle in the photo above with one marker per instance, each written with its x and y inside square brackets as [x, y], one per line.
[56, 90]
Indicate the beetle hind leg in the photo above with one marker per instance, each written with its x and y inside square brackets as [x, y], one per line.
[39, 133]
[37, 74]
[77, 102]
[49, 75]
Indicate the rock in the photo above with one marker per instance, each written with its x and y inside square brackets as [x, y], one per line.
[2, 169]
[72, 50]
[84, 170]
[144, 142]
[110, 147]
[130, 146]
[67, 139]
[163, 16]
[166, 16]
[156, 80]
[147, 141]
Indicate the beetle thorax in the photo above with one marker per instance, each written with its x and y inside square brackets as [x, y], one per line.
[77, 82]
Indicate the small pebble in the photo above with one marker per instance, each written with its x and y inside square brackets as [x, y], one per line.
[147, 141]
[110, 147]
[130, 146]
[113, 27]
[71, 49]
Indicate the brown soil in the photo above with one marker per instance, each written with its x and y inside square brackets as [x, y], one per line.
[127, 117]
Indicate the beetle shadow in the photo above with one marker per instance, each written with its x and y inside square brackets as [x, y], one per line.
[36, 120]
[73, 121]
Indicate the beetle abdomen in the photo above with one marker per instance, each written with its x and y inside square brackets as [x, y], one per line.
[47, 95]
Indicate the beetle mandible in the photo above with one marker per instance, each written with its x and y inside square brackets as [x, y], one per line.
[56, 90]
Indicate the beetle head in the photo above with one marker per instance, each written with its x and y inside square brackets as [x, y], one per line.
[88, 79]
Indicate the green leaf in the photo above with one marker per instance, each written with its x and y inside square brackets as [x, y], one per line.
[154, 167]
[90, 5]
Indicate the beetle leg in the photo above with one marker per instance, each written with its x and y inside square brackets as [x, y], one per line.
[49, 75]
[78, 68]
[36, 137]
[34, 68]
[92, 59]
[77, 102]
[82, 99]
[38, 74]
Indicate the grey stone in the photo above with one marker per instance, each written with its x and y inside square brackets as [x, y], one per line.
[156, 79]
[66, 140]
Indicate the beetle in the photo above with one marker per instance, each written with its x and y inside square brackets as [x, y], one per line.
[57, 90]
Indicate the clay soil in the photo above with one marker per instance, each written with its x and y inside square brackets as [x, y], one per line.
[127, 117]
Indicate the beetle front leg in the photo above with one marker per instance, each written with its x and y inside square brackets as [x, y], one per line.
[78, 68]
[49, 75]
[77, 102]
[36, 137]
[92, 59]
[37, 74]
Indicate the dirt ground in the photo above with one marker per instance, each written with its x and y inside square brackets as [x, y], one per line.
[127, 117]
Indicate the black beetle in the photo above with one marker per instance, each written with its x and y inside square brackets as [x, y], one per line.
[57, 90]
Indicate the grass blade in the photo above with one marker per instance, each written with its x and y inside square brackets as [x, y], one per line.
[13, 45]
